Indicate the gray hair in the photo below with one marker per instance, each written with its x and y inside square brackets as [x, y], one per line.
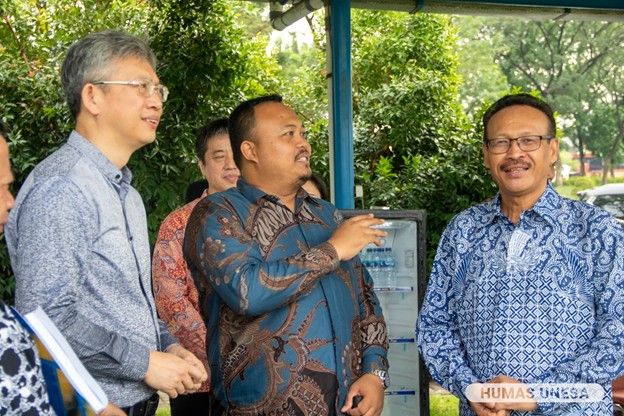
[90, 57]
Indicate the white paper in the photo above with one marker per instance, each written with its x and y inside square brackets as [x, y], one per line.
[67, 359]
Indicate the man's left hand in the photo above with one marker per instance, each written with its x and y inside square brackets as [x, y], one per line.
[370, 387]
[198, 376]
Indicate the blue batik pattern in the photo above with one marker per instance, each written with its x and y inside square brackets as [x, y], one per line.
[290, 327]
[541, 301]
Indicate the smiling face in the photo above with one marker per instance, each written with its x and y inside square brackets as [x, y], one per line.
[126, 116]
[521, 176]
[279, 149]
[218, 166]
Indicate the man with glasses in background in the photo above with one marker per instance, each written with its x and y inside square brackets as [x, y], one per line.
[527, 287]
[177, 299]
[77, 235]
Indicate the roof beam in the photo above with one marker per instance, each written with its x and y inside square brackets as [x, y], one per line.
[603, 10]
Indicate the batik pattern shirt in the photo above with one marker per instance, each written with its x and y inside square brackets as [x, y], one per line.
[541, 301]
[177, 300]
[22, 388]
[290, 326]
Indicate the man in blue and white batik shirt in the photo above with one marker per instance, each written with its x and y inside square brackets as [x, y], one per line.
[528, 287]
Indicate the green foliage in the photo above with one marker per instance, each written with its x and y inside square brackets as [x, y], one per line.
[482, 77]
[579, 183]
[303, 85]
[575, 65]
[414, 147]
[210, 66]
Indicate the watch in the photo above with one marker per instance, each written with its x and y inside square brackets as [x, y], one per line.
[383, 376]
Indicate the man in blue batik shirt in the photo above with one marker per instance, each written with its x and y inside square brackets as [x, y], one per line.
[527, 287]
[293, 325]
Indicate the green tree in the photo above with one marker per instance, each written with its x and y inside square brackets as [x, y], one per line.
[414, 146]
[574, 65]
[210, 64]
[303, 81]
[482, 78]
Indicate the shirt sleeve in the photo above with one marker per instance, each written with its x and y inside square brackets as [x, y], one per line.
[165, 339]
[174, 290]
[229, 258]
[53, 235]
[437, 334]
[373, 330]
[602, 359]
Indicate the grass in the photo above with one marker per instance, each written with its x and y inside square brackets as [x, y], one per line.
[443, 405]
[439, 405]
[567, 191]
[163, 411]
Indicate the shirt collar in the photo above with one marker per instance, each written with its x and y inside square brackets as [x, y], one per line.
[304, 195]
[254, 195]
[546, 206]
[101, 162]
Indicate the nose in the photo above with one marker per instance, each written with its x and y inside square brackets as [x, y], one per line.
[514, 148]
[155, 101]
[229, 162]
[303, 142]
[8, 198]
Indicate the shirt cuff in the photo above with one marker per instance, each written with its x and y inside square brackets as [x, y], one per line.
[165, 339]
[136, 362]
[328, 252]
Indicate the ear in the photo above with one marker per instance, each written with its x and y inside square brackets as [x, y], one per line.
[486, 154]
[249, 151]
[202, 167]
[554, 150]
[91, 99]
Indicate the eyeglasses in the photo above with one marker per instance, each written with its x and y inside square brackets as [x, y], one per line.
[525, 143]
[146, 88]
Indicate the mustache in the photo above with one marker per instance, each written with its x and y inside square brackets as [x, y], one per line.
[515, 163]
[302, 153]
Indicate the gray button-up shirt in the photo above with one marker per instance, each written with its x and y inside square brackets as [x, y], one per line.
[78, 242]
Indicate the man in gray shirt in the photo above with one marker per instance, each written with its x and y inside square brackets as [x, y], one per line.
[77, 235]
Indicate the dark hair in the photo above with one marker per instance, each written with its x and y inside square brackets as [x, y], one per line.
[242, 123]
[3, 129]
[194, 190]
[318, 181]
[519, 99]
[207, 132]
[90, 58]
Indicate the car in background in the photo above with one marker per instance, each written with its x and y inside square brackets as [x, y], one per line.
[609, 197]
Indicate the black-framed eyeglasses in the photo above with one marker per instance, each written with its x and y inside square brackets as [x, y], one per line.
[525, 143]
[146, 88]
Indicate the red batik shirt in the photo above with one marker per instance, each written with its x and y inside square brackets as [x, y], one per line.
[174, 290]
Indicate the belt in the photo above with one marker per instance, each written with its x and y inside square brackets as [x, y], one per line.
[146, 407]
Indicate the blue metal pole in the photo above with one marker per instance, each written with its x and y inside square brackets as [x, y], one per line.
[342, 107]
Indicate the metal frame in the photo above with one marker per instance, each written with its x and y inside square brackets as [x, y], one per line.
[341, 105]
